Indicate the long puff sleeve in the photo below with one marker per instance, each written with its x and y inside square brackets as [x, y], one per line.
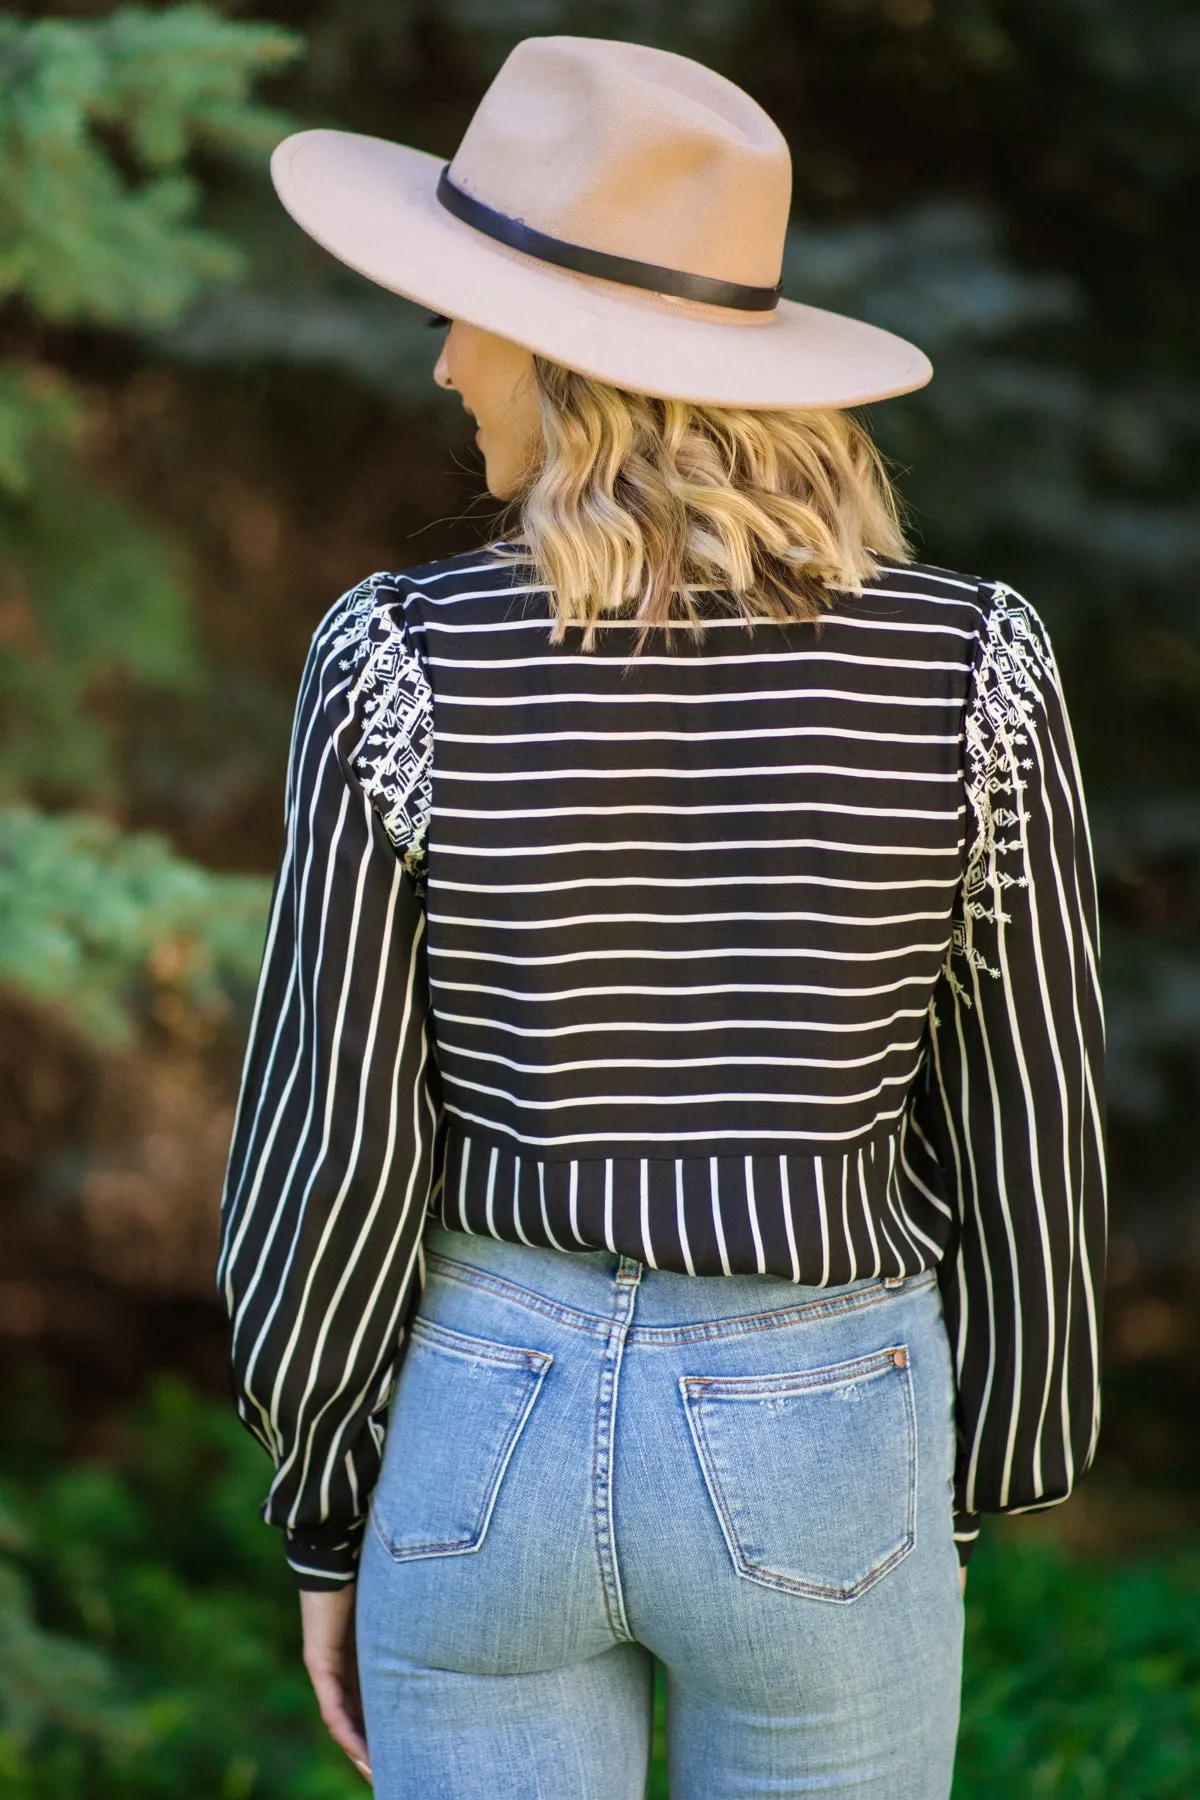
[1013, 1099]
[334, 1143]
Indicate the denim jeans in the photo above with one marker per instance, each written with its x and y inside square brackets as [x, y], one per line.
[590, 1463]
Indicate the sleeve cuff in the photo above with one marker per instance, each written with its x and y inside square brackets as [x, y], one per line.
[324, 1557]
[966, 1535]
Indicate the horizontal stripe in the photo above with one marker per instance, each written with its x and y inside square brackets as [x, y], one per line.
[830, 622]
[788, 658]
[574, 698]
[447, 1048]
[712, 846]
[500, 739]
[781, 1098]
[679, 990]
[705, 773]
[718, 1025]
[742, 1132]
[702, 812]
[685, 881]
[628, 953]
[572, 921]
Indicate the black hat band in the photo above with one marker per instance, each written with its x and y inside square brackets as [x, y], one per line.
[626, 269]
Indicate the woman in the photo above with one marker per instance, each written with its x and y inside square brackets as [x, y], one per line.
[675, 1090]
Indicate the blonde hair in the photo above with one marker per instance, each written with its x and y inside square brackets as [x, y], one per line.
[637, 502]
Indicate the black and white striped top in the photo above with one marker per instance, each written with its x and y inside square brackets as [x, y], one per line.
[775, 951]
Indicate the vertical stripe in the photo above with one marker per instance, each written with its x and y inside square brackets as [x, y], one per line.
[789, 1223]
[644, 1210]
[822, 1216]
[516, 1202]
[681, 1218]
[896, 1265]
[847, 1235]
[490, 1202]
[861, 1183]
[608, 1205]
[718, 1226]
[760, 1260]
[546, 1226]
[464, 1169]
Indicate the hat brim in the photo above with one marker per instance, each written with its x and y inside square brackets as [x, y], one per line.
[372, 204]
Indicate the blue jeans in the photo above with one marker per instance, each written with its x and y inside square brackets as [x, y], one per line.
[591, 1463]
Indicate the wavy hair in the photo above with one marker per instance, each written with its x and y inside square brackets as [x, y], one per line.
[636, 504]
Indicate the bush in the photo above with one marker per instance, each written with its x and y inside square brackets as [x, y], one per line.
[149, 1642]
[93, 920]
[100, 225]
[1081, 1679]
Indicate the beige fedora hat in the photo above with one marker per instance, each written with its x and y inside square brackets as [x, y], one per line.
[617, 209]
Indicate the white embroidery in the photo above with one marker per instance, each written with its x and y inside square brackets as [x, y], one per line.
[1014, 663]
[393, 707]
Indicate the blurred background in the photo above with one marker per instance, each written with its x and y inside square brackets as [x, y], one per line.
[208, 430]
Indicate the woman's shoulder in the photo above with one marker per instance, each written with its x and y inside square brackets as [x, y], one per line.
[1002, 637]
[498, 561]
[392, 601]
[982, 607]
[932, 581]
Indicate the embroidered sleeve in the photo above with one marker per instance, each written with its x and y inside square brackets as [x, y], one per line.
[333, 1148]
[389, 743]
[1014, 662]
[1014, 1099]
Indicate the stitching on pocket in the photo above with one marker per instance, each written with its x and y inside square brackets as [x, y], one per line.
[473, 1349]
[894, 1362]
[751, 1387]
[533, 1365]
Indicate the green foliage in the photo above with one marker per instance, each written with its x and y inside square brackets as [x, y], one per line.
[98, 224]
[80, 237]
[36, 410]
[47, 1678]
[161, 1657]
[149, 1644]
[94, 920]
[1081, 1680]
[92, 600]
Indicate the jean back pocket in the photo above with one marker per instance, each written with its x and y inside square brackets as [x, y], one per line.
[460, 1407]
[812, 1475]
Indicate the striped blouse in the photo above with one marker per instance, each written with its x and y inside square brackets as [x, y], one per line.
[774, 951]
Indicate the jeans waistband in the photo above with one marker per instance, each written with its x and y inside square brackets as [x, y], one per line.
[581, 1283]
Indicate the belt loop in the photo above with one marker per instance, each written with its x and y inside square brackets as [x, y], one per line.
[630, 1272]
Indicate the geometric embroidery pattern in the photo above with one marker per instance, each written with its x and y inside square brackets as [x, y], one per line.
[1014, 657]
[392, 702]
